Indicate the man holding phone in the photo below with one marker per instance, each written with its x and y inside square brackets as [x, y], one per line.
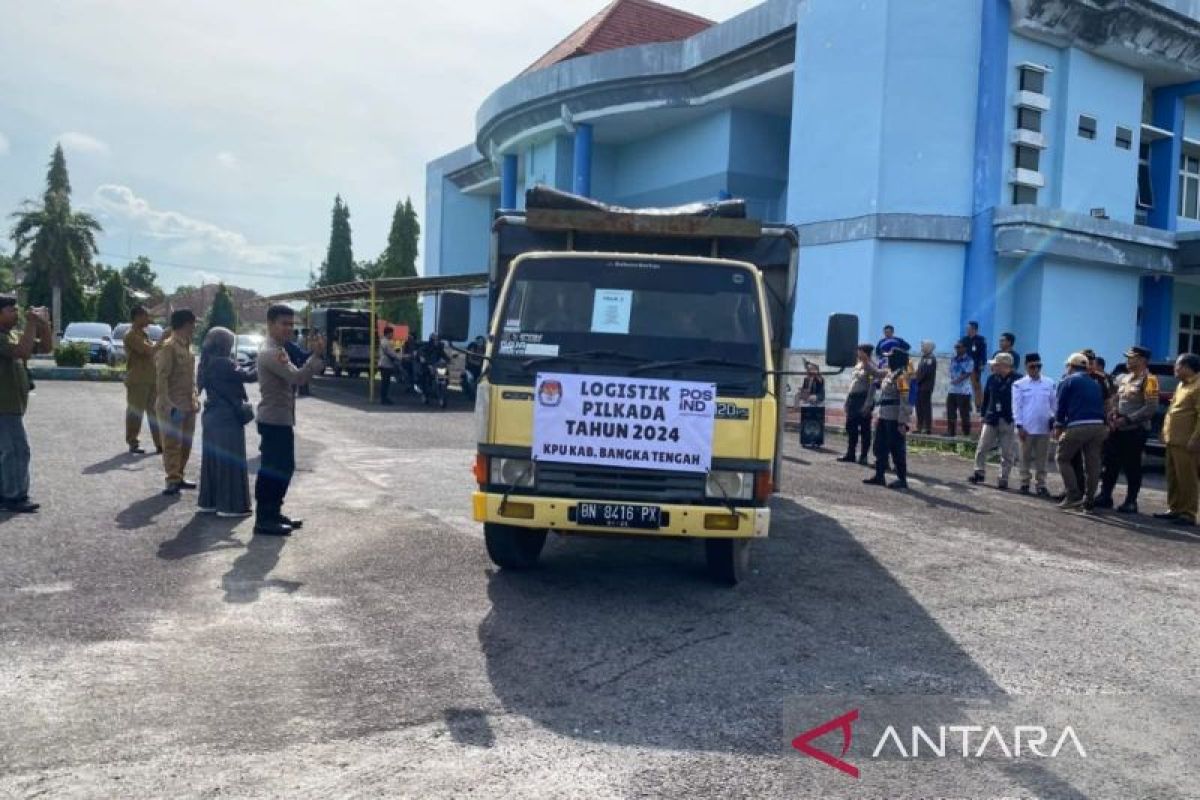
[14, 397]
[175, 385]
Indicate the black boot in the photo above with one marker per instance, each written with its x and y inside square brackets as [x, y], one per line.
[876, 480]
[1128, 507]
[1103, 500]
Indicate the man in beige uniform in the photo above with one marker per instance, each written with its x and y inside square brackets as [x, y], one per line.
[175, 372]
[139, 383]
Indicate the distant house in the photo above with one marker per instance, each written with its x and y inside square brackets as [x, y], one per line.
[249, 304]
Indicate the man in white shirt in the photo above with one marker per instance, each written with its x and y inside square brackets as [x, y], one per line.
[389, 365]
[1034, 402]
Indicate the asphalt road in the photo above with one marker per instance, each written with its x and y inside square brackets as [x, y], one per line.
[147, 652]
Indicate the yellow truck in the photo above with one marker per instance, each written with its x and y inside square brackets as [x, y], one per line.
[632, 382]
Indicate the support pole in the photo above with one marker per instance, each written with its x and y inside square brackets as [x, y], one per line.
[583, 160]
[374, 350]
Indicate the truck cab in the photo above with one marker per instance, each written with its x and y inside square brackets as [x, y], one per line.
[632, 383]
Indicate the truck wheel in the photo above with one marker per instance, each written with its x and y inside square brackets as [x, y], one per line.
[511, 547]
[728, 559]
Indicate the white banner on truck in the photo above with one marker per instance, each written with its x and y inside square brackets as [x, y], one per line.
[624, 422]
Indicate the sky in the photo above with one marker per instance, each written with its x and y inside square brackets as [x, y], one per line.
[212, 137]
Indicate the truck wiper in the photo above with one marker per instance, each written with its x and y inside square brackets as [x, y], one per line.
[613, 354]
[688, 362]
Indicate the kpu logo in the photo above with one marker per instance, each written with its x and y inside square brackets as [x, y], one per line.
[550, 393]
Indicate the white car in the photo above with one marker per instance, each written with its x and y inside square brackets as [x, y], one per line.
[96, 335]
[246, 347]
[116, 351]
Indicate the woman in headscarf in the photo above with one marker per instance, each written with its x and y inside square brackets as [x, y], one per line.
[926, 379]
[224, 478]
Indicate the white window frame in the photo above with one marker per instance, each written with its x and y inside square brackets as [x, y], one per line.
[1189, 185]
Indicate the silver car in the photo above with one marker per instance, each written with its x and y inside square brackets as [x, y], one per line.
[96, 335]
[116, 351]
[246, 347]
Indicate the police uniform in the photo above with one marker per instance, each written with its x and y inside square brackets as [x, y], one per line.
[1136, 404]
[860, 401]
[894, 414]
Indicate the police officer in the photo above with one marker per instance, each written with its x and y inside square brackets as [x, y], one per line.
[892, 426]
[860, 400]
[1136, 404]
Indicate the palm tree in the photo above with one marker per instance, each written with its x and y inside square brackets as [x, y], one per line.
[61, 243]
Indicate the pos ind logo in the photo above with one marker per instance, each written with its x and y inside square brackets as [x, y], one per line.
[550, 393]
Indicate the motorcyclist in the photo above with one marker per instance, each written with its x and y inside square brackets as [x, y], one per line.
[430, 356]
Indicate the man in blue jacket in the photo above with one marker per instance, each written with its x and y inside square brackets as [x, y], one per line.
[1079, 427]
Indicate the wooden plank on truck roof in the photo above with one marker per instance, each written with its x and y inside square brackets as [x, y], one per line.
[641, 224]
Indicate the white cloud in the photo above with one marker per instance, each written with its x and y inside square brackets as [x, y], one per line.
[227, 159]
[76, 142]
[4, 146]
[194, 239]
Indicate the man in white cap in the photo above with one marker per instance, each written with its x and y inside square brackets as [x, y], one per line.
[997, 421]
[1079, 427]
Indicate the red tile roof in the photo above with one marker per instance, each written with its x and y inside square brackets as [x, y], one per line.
[624, 23]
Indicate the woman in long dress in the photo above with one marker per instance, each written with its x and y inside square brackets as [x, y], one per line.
[224, 477]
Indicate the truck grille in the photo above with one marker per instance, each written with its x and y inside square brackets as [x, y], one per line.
[569, 480]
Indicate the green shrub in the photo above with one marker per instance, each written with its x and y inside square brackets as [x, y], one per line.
[74, 354]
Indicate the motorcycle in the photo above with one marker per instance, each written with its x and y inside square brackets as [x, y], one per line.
[436, 384]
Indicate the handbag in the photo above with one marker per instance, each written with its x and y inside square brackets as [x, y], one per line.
[245, 413]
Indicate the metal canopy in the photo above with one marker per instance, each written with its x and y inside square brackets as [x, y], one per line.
[383, 288]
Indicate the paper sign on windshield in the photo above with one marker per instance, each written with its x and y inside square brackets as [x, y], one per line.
[624, 422]
[611, 309]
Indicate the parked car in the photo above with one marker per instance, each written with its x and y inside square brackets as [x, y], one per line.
[246, 348]
[98, 336]
[1165, 372]
[116, 350]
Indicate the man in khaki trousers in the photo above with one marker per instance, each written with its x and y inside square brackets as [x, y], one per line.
[1181, 435]
[140, 393]
[175, 373]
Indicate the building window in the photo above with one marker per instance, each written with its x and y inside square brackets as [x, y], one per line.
[1189, 333]
[1189, 187]
[1029, 119]
[1145, 196]
[1028, 157]
[1124, 138]
[1033, 80]
[1087, 126]
[1024, 195]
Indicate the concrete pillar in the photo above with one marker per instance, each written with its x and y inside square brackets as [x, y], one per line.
[1158, 294]
[979, 273]
[583, 160]
[508, 182]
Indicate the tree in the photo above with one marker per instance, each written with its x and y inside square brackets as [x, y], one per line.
[222, 313]
[8, 270]
[112, 306]
[399, 260]
[339, 260]
[139, 276]
[61, 243]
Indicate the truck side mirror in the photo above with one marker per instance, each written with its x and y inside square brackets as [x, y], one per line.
[841, 340]
[454, 316]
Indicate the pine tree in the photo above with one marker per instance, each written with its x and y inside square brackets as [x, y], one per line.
[112, 307]
[222, 313]
[399, 260]
[61, 243]
[339, 260]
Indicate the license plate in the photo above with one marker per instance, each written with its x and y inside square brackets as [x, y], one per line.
[619, 515]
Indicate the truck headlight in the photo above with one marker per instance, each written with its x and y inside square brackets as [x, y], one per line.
[483, 409]
[516, 472]
[726, 484]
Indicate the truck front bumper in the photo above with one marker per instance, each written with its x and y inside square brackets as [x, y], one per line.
[555, 514]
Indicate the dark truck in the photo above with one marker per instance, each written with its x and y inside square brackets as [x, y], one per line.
[347, 335]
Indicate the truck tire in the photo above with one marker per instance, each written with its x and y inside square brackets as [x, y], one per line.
[728, 559]
[511, 547]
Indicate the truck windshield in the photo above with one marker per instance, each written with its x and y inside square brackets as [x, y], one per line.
[694, 321]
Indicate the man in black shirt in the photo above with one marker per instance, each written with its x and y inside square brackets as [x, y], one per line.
[977, 350]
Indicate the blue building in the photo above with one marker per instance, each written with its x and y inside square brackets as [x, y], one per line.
[1031, 164]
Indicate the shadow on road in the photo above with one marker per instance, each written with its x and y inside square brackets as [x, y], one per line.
[248, 575]
[142, 513]
[203, 534]
[122, 461]
[626, 642]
